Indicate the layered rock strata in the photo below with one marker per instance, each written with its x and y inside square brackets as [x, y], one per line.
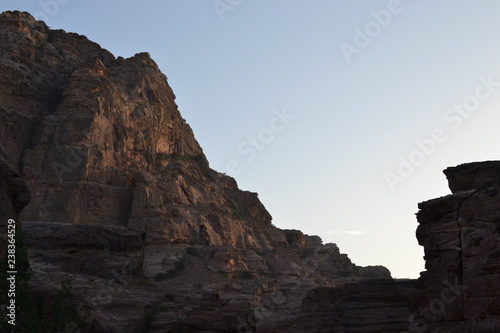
[14, 196]
[127, 285]
[460, 233]
[367, 306]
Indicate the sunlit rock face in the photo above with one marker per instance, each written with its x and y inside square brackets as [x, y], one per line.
[367, 306]
[99, 140]
[124, 201]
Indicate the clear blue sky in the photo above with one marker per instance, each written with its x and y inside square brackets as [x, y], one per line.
[358, 83]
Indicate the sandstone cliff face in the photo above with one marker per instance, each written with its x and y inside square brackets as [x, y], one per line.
[123, 199]
[99, 140]
[460, 233]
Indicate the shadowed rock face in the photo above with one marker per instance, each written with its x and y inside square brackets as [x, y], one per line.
[368, 306]
[99, 140]
[460, 233]
[14, 196]
[124, 201]
[478, 175]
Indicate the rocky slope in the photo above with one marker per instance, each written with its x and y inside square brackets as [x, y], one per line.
[124, 201]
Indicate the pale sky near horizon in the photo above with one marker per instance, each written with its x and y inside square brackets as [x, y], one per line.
[340, 114]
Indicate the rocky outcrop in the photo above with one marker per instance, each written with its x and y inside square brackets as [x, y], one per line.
[460, 233]
[100, 251]
[126, 285]
[479, 175]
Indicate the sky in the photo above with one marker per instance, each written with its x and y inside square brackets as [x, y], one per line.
[341, 115]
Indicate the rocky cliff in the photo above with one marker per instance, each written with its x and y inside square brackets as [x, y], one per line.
[99, 140]
[460, 233]
[123, 199]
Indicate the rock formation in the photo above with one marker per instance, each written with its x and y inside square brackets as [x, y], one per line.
[124, 201]
[99, 140]
[460, 233]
